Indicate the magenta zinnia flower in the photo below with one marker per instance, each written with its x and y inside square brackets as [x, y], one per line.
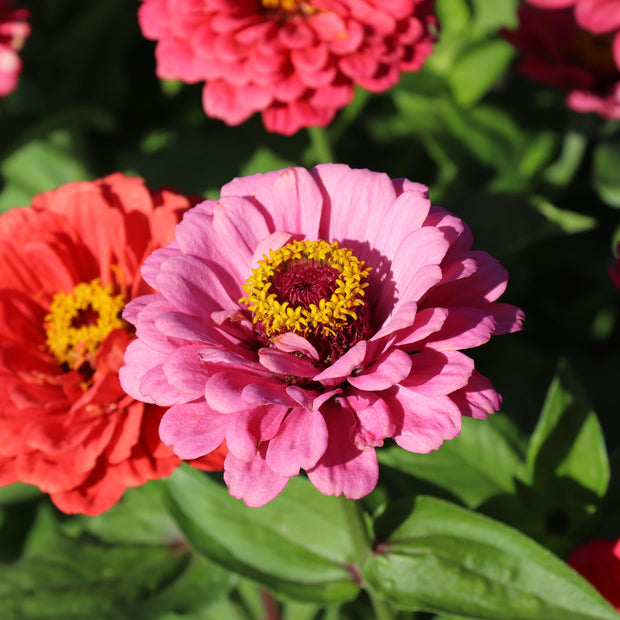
[296, 61]
[307, 316]
[576, 48]
[14, 29]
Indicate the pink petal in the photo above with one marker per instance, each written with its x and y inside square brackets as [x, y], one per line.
[138, 360]
[223, 390]
[310, 399]
[374, 419]
[267, 391]
[392, 367]
[478, 399]
[197, 288]
[248, 429]
[294, 343]
[508, 318]
[252, 481]
[487, 283]
[343, 468]
[193, 429]
[402, 318]
[300, 443]
[343, 366]
[427, 322]
[274, 241]
[424, 422]
[283, 363]
[155, 388]
[297, 203]
[464, 328]
[358, 192]
[598, 15]
[411, 207]
[185, 371]
[435, 373]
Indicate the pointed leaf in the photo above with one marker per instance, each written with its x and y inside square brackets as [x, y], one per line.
[295, 545]
[441, 558]
[568, 441]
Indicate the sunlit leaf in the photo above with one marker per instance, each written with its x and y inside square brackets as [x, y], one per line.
[440, 558]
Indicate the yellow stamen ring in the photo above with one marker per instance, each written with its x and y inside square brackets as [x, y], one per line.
[329, 315]
[72, 338]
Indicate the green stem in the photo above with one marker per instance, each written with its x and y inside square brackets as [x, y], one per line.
[360, 540]
[321, 148]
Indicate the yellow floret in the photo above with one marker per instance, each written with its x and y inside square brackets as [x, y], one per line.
[331, 314]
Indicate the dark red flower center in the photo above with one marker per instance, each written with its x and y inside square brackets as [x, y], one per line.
[314, 289]
[594, 52]
[78, 322]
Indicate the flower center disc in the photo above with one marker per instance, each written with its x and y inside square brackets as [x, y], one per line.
[314, 289]
[79, 321]
[595, 53]
[288, 8]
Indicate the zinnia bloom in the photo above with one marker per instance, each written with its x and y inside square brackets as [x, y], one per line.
[68, 265]
[599, 562]
[295, 61]
[305, 317]
[14, 29]
[575, 49]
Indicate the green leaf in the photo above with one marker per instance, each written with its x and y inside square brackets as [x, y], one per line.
[569, 222]
[441, 558]
[481, 462]
[568, 442]
[76, 579]
[478, 69]
[39, 165]
[491, 16]
[141, 517]
[295, 545]
[605, 177]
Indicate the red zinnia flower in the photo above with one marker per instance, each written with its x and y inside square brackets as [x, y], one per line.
[562, 48]
[68, 265]
[13, 33]
[599, 562]
[296, 61]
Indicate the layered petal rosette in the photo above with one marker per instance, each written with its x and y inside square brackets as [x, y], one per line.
[295, 61]
[573, 45]
[14, 30]
[307, 316]
[68, 265]
[598, 561]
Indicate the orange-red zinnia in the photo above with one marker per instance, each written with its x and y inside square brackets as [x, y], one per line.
[68, 265]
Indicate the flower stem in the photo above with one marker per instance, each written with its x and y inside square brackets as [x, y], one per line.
[360, 540]
[321, 148]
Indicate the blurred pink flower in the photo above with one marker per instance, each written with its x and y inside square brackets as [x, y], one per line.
[295, 61]
[358, 296]
[599, 562]
[14, 30]
[576, 57]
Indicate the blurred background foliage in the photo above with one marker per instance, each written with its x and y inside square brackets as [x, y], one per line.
[538, 184]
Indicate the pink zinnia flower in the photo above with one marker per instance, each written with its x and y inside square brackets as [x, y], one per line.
[599, 562]
[68, 265]
[14, 30]
[296, 61]
[569, 47]
[307, 316]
